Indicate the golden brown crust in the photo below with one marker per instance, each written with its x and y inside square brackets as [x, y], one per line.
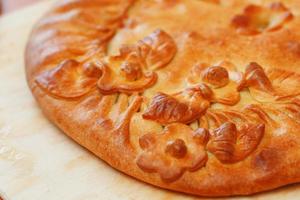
[197, 96]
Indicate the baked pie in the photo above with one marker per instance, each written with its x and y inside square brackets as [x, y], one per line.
[197, 96]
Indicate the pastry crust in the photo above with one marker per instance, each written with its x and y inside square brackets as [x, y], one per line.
[195, 96]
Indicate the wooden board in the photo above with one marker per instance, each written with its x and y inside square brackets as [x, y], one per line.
[37, 161]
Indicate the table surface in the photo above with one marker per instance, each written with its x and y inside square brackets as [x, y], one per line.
[13, 5]
[37, 161]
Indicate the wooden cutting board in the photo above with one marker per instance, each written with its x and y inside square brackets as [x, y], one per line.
[37, 161]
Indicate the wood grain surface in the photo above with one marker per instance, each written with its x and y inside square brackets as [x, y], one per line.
[37, 161]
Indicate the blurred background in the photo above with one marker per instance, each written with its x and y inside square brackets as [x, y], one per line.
[7, 6]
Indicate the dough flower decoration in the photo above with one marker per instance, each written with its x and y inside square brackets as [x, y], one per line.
[223, 80]
[257, 19]
[133, 70]
[176, 150]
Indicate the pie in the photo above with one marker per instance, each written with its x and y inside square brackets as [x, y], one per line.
[196, 96]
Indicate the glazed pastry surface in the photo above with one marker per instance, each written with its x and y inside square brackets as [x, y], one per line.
[196, 96]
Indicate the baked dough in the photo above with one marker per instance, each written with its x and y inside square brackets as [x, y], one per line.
[197, 96]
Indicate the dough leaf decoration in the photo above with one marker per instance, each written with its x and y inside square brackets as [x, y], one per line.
[271, 85]
[157, 50]
[211, 1]
[114, 116]
[69, 79]
[286, 83]
[184, 107]
[230, 144]
[256, 78]
[124, 116]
